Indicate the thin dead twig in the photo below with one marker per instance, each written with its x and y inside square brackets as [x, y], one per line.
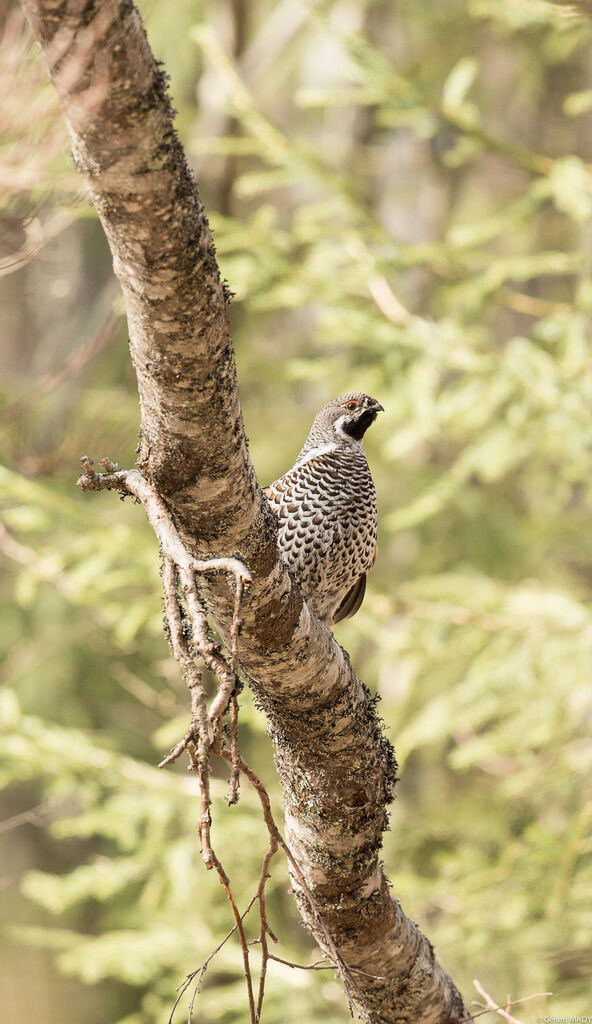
[234, 635]
[243, 938]
[201, 970]
[179, 570]
[320, 966]
[34, 816]
[264, 929]
[339, 964]
[197, 738]
[205, 733]
[276, 841]
[235, 768]
[36, 236]
[131, 481]
[190, 638]
[492, 1007]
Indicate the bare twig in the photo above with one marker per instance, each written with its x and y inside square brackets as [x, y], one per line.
[339, 964]
[198, 735]
[276, 841]
[205, 732]
[236, 624]
[131, 481]
[190, 638]
[36, 236]
[236, 620]
[319, 965]
[35, 816]
[243, 939]
[492, 1007]
[235, 769]
[180, 568]
[201, 970]
[264, 929]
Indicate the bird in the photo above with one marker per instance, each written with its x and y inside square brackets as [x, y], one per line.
[326, 509]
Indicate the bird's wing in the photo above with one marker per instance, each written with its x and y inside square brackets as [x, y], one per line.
[352, 600]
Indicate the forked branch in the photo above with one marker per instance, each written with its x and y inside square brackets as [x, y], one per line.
[183, 608]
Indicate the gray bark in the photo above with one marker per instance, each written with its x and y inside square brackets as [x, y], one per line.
[335, 766]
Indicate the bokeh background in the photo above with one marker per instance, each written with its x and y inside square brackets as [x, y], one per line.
[401, 195]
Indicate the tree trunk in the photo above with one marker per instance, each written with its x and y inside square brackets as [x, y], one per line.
[336, 768]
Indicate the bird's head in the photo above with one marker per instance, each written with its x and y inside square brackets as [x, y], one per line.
[349, 416]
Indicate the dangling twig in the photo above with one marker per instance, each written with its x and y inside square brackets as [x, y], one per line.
[190, 638]
[197, 739]
[235, 767]
[275, 836]
[179, 570]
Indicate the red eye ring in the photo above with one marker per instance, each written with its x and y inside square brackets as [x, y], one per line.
[351, 405]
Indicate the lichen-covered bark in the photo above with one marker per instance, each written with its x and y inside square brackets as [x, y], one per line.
[336, 768]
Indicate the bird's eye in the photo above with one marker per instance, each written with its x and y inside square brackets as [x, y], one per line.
[351, 405]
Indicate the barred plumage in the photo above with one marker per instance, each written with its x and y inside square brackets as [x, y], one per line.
[326, 508]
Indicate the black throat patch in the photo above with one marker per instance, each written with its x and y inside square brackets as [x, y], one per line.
[357, 427]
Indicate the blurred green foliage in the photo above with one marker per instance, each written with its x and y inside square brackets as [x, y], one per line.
[402, 203]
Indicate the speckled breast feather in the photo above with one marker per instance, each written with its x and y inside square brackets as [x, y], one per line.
[326, 509]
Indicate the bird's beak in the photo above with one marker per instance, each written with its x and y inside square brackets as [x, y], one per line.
[377, 407]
